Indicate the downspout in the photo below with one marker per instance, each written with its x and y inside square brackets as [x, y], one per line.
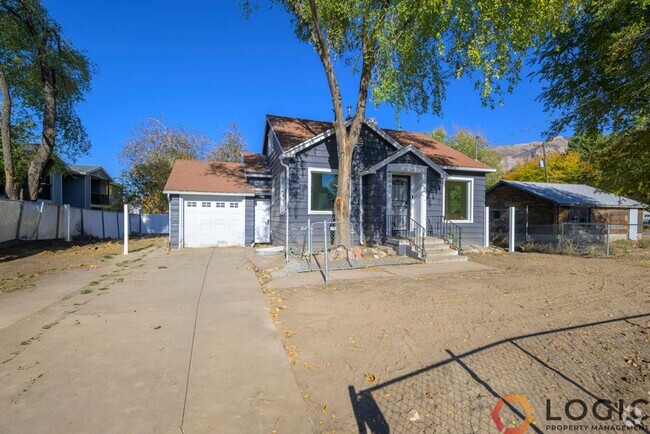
[286, 209]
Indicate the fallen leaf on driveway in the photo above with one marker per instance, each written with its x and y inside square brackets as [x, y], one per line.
[370, 377]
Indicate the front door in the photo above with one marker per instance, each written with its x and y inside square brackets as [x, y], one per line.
[263, 221]
[401, 205]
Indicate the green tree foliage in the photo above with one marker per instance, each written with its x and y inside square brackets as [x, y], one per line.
[406, 52]
[598, 69]
[148, 157]
[598, 74]
[614, 164]
[230, 147]
[473, 145]
[46, 78]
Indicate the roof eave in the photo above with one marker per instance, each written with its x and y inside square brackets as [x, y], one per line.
[207, 193]
[471, 169]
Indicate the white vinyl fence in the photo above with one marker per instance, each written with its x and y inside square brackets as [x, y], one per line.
[43, 221]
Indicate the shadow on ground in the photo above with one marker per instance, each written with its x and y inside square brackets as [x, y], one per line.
[597, 368]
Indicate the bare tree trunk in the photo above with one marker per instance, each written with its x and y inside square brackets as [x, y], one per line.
[12, 188]
[346, 142]
[41, 160]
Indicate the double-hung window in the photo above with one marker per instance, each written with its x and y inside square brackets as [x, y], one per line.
[322, 184]
[459, 199]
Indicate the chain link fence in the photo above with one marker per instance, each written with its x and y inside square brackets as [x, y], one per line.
[594, 239]
[28, 221]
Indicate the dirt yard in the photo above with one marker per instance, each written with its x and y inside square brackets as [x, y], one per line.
[22, 264]
[435, 354]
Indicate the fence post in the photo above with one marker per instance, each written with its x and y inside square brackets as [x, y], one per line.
[20, 220]
[103, 228]
[326, 248]
[40, 215]
[126, 229]
[607, 249]
[309, 243]
[68, 236]
[486, 229]
[511, 232]
[58, 221]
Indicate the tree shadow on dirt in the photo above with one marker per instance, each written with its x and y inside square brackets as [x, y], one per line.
[585, 375]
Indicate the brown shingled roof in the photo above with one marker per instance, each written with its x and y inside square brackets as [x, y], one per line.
[255, 163]
[440, 154]
[293, 131]
[207, 177]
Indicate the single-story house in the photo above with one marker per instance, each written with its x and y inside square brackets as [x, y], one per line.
[398, 178]
[87, 187]
[549, 204]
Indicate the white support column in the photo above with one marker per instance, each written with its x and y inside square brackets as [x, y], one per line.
[126, 229]
[68, 236]
[486, 234]
[511, 230]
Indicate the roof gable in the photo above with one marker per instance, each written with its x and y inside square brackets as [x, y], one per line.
[89, 170]
[296, 134]
[401, 152]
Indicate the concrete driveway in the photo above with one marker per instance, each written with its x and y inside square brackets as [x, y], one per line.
[127, 357]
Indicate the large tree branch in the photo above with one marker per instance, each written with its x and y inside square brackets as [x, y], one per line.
[323, 50]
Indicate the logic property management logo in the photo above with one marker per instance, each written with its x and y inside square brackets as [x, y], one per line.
[599, 415]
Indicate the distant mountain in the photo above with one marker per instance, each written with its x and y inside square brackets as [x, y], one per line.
[512, 155]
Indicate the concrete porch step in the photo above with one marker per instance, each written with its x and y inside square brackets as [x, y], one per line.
[433, 241]
[442, 252]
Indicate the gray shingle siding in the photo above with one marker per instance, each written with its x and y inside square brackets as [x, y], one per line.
[369, 189]
[278, 219]
[174, 220]
[371, 149]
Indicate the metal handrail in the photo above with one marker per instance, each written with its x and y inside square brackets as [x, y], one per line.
[450, 232]
[403, 226]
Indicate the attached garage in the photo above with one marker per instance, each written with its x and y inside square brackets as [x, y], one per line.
[211, 221]
[211, 204]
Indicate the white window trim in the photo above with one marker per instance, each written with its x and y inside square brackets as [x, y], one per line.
[311, 170]
[470, 197]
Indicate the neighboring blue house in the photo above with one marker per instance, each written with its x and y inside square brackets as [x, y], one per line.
[400, 181]
[88, 187]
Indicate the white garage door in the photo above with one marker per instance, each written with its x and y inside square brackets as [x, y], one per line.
[214, 221]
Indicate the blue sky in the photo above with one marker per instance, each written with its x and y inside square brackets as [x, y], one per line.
[201, 64]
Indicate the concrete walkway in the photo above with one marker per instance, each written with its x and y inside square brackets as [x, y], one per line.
[117, 359]
[282, 279]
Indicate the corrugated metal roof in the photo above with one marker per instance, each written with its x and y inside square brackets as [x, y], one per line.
[575, 195]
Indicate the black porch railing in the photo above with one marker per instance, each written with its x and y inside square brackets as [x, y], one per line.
[450, 232]
[403, 226]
